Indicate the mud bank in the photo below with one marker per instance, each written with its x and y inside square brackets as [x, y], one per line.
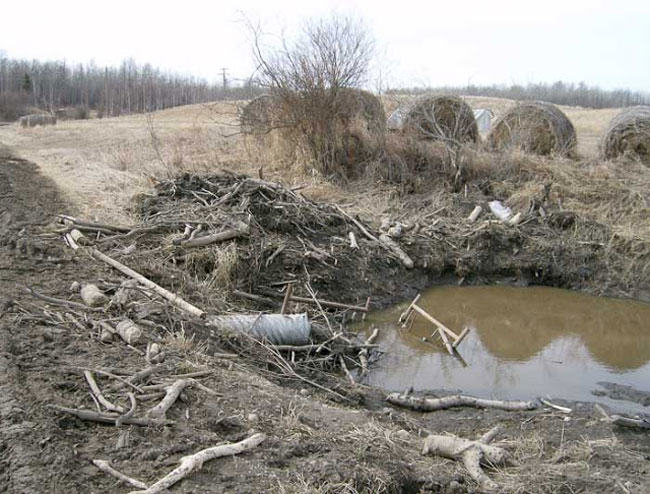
[315, 443]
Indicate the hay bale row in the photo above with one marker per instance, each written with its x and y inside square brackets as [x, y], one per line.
[36, 119]
[535, 127]
[629, 135]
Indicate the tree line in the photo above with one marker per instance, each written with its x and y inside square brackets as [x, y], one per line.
[27, 85]
[560, 93]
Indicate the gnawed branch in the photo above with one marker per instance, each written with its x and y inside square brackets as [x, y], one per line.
[471, 453]
[195, 462]
[433, 404]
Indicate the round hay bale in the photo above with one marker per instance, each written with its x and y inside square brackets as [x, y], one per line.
[361, 127]
[629, 134]
[259, 115]
[442, 118]
[535, 127]
[356, 103]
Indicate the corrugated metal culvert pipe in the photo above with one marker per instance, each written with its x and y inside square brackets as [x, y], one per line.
[279, 329]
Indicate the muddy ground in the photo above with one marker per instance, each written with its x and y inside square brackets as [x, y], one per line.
[316, 442]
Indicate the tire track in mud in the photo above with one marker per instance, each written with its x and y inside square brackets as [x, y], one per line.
[29, 460]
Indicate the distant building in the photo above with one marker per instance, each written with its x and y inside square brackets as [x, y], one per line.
[483, 117]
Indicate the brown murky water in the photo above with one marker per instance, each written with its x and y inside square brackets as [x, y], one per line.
[523, 343]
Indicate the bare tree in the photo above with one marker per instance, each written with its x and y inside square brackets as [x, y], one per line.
[310, 79]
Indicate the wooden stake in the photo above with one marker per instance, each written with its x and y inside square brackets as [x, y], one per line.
[461, 336]
[287, 296]
[404, 316]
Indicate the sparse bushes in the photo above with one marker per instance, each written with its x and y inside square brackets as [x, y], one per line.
[81, 112]
[14, 106]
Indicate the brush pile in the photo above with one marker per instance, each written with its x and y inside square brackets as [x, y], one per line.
[223, 248]
[282, 236]
[629, 135]
[535, 127]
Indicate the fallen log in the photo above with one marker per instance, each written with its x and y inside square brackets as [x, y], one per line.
[129, 331]
[65, 219]
[194, 462]
[97, 393]
[93, 296]
[474, 214]
[397, 250]
[471, 453]
[166, 294]
[433, 404]
[110, 418]
[639, 423]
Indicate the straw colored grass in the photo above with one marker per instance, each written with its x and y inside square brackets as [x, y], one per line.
[101, 164]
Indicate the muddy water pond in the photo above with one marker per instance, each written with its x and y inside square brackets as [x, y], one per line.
[523, 343]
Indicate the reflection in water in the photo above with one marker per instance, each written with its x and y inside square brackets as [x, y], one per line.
[525, 342]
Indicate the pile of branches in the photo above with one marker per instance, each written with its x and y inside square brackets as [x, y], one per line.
[280, 237]
[279, 240]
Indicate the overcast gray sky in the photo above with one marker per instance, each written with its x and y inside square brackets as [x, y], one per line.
[604, 43]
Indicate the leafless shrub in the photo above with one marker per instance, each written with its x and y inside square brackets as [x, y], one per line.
[155, 140]
[311, 81]
[448, 120]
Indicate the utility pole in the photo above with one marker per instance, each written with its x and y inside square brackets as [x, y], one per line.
[224, 76]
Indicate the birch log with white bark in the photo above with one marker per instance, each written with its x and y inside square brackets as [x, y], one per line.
[471, 453]
[195, 462]
[433, 404]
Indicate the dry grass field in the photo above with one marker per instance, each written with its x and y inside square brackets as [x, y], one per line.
[100, 164]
